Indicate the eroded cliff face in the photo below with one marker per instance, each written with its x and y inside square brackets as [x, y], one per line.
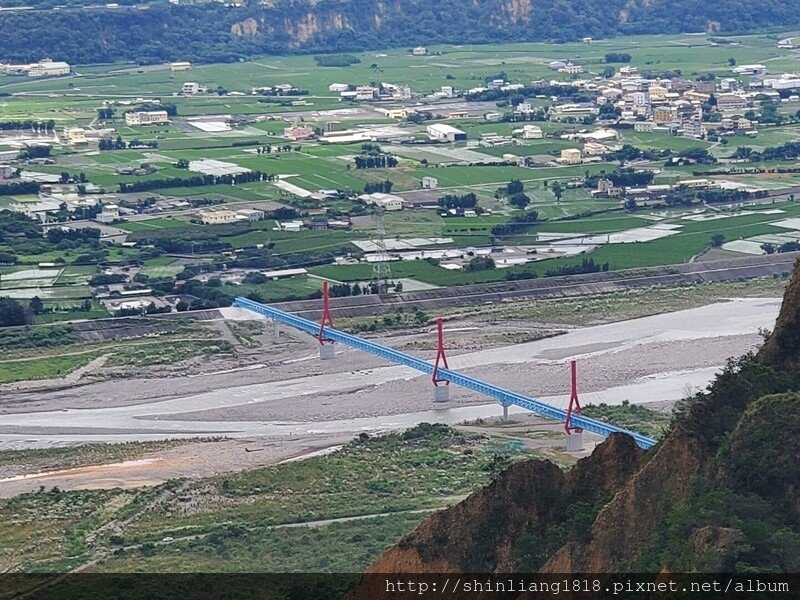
[741, 441]
[626, 523]
[527, 499]
[782, 348]
[518, 11]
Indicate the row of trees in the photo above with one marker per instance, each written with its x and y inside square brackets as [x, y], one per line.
[197, 181]
[517, 224]
[587, 265]
[339, 290]
[25, 124]
[384, 187]
[21, 187]
[561, 91]
[336, 60]
[625, 177]
[109, 144]
[459, 201]
[375, 162]
[35, 152]
[788, 151]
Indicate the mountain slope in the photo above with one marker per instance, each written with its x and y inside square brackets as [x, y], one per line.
[211, 32]
[721, 492]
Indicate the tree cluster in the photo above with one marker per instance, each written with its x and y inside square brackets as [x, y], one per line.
[617, 57]
[469, 200]
[517, 224]
[587, 265]
[197, 181]
[375, 162]
[384, 187]
[27, 124]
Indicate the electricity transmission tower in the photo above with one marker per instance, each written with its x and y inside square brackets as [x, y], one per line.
[381, 271]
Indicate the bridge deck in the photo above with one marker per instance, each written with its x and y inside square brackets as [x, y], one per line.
[500, 394]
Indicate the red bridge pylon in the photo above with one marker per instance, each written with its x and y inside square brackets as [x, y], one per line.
[326, 346]
[440, 394]
[574, 403]
[574, 442]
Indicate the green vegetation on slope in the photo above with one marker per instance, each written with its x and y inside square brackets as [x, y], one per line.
[174, 32]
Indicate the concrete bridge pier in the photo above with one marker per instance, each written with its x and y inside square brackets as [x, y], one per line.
[505, 411]
[441, 395]
[574, 442]
[327, 351]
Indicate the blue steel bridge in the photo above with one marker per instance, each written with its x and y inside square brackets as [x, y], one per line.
[503, 396]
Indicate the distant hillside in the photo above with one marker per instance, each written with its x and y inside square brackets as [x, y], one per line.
[211, 32]
[720, 493]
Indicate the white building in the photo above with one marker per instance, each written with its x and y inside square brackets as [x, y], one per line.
[150, 117]
[430, 183]
[532, 132]
[420, 51]
[190, 88]
[594, 149]
[750, 70]
[180, 66]
[251, 214]
[48, 68]
[445, 133]
[784, 82]
[571, 69]
[640, 99]
[109, 214]
[385, 201]
[365, 92]
[216, 217]
[524, 108]
[338, 87]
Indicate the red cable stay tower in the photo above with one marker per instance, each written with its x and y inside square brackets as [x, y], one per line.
[574, 404]
[440, 355]
[326, 316]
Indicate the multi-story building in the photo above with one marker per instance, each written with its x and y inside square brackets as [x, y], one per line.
[571, 156]
[299, 132]
[216, 217]
[571, 69]
[731, 102]
[190, 88]
[664, 114]
[150, 117]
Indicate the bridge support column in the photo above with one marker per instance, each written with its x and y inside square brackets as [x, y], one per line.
[327, 349]
[441, 393]
[575, 442]
[574, 434]
[276, 329]
[505, 411]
